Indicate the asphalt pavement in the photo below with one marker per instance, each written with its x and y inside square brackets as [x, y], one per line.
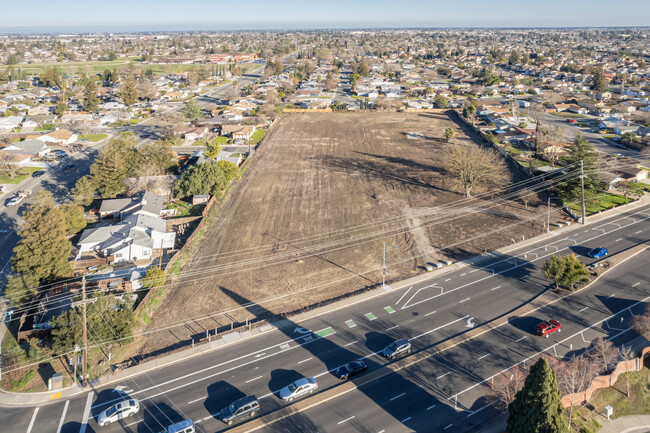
[446, 389]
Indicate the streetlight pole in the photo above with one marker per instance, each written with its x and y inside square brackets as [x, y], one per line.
[383, 279]
[548, 218]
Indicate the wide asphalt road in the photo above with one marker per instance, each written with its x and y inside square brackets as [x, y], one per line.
[428, 396]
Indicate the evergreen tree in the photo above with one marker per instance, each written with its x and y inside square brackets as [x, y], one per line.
[598, 83]
[43, 250]
[108, 173]
[566, 271]
[21, 290]
[84, 191]
[580, 150]
[128, 92]
[537, 407]
[74, 217]
[91, 100]
[191, 110]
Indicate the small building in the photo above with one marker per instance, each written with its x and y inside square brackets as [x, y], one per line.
[200, 199]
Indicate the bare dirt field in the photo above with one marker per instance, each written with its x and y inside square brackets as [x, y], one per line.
[308, 220]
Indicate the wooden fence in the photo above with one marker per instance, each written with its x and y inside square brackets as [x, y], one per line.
[306, 110]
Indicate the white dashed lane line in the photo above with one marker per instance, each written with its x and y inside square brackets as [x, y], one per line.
[31, 423]
[398, 396]
[522, 338]
[443, 375]
[349, 344]
[346, 420]
[305, 360]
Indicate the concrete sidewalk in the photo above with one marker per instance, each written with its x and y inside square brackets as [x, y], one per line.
[627, 424]
[41, 398]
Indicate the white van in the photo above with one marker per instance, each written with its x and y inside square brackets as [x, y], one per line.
[186, 426]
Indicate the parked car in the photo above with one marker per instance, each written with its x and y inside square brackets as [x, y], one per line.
[299, 388]
[68, 166]
[38, 173]
[14, 201]
[350, 369]
[548, 327]
[58, 153]
[571, 120]
[186, 426]
[242, 408]
[3, 188]
[397, 348]
[118, 411]
[597, 253]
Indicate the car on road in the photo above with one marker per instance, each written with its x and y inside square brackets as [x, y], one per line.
[38, 173]
[68, 166]
[548, 327]
[299, 388]
[618, 155]
[14, 201]
[571, 120]
[597, 253]
[397, 348]
[118, 411]
[243, 408]
[186, 426]
[58, 153]
[350, 369]
[3, 188]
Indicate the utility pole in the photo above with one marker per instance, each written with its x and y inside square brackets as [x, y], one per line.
[582, 188]
[85, 339]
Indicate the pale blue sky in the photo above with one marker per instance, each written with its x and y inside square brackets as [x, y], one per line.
[88, 15]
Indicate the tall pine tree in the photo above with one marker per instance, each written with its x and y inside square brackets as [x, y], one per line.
[43, 250]
[108, 173]
[581, 150]
[537, 407]
[90, 101]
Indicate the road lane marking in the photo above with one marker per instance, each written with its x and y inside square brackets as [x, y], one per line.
[198, 399]
[65, 410]
[635, 284]
[428, 314]
[349, 344]
[443, 375]
[85, 418]
[346, 420]
[406, 419]
[431, 407]
[392, 327]
[464, 300]
[522, 338]
[398, 396]
[370, 316]
[496, 288]
[251, 380]
[462, 275]
[389, 310]
[305, 360]
[448, 279]
[31, 423]
[439, 327]
[350, 323]
[619, 239]
[402, 297]
[449, 426]
[610, 295]
[484, 356]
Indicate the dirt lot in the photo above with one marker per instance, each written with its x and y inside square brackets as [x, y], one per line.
[311, 214]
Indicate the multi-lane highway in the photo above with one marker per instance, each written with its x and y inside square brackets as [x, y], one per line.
[442, 391]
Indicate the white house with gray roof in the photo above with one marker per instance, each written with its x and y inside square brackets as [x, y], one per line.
[33, 148]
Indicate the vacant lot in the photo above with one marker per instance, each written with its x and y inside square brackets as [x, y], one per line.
[323, 193]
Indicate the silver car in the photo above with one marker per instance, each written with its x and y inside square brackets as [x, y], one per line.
[299, 388]
[119, 411]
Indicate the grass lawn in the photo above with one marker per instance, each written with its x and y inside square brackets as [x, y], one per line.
[615, 396]
[257, 136]
[568, 115]
[93, 137]
[222, 140]
[186, 209]
[21, 175]
[126, 123]
[78, 67]
[602, 203]
[46, 127]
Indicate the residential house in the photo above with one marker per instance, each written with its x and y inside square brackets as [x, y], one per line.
[238, 132]
[31, 148]
[194, 132]
[10, 122]
[144, 202]
[59, 137]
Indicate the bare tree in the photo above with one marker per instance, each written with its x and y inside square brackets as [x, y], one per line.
[474, 167]
[626, 353]
[169, 123]
[8, 164]
[505, 387]
[603, 353]
[574, 377]
[641, 324]
[535, 112]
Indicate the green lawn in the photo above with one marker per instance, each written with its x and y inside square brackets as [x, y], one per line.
[46, 127]
[186, 209]
[568, 115]
[257, 136]
[21, 175]
[222, 140]
[605, 202]
[126, 123]
[77, 67]
[93, 137]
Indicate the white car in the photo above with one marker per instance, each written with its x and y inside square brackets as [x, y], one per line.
[119, 411]
[300, 387]
[14, 201]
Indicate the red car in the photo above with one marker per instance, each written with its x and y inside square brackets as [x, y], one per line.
[571, 120]
[548, 327]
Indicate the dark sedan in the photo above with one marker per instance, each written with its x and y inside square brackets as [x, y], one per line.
[38, 173]
[350, 369]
